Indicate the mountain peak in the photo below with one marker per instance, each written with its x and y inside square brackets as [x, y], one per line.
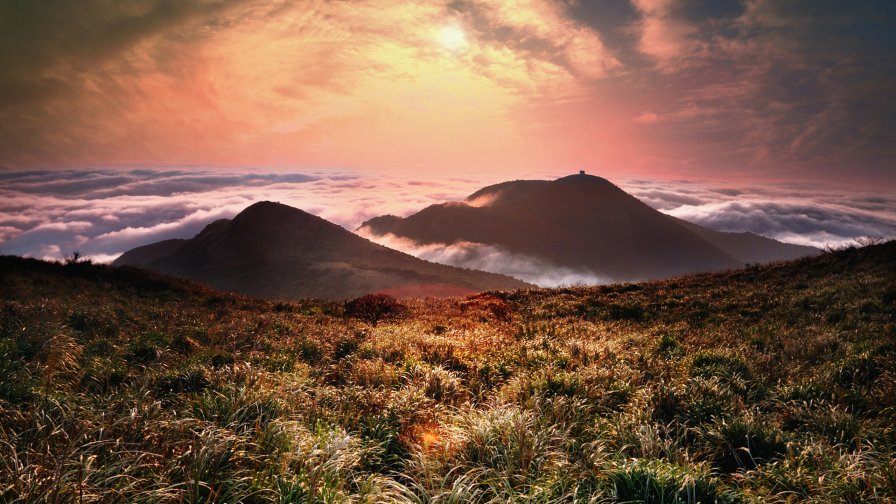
[270, 208]
[266, 220]
[583, 178]
[277, 251]
[516, 191]
[581, 222]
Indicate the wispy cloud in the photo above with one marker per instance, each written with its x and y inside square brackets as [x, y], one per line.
[363, 83]
[104, 213]
[490, 258]
[819, 216]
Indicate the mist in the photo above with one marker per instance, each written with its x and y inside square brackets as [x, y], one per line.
[489, 258]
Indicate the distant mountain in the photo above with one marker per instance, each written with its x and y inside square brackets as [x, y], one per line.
[583, 222]
[750, 248]
[275, 251]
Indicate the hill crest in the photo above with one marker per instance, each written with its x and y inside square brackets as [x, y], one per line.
[582, 222]
[277, 251]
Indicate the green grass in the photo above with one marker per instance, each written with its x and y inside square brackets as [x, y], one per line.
[770, 384]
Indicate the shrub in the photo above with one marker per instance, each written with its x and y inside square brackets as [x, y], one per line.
[220, 359]
[183, 344]
[487, 304]
[192, 380]
[669, 346]
[372, 308]
[632, 312]
[15, 380]
[236, 409]
[310, 351]
[698, 401]
[385, 451]
[103, 374]
[437, 383]
[508, 445]
[345, 347]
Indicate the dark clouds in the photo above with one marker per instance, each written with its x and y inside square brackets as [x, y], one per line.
[51, 47]
[68, 68]
[784, 88]
[801, 88]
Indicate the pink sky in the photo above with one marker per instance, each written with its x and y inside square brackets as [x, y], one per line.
[651, 88]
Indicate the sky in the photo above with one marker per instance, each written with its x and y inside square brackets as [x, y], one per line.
[124, 122]
[731, 90]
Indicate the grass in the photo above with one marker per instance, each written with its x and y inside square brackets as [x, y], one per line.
[769, 384]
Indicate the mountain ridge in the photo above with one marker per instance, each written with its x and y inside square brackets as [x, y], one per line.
[276, 251]
[582, 221]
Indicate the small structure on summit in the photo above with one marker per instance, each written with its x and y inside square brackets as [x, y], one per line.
[581, 172]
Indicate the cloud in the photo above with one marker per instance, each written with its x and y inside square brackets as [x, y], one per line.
[543, 30]
[102, 214]
[489, 258]
[804, 214]
[320, 83]
[784, 88]
[663, 36]
[647, 118]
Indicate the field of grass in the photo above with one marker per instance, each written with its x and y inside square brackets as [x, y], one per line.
[770, 384]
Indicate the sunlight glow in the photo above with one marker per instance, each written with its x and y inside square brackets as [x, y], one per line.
[453, 38]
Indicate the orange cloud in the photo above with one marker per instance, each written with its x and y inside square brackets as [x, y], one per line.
[360, 83]
[448, 85]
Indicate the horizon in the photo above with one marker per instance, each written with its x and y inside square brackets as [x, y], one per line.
[51, 214]
[123, 124]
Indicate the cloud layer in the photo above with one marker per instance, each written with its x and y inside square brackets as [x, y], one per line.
[817, 215]
[105, 213]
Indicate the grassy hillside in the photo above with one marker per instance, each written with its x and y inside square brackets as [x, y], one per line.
[769, 384]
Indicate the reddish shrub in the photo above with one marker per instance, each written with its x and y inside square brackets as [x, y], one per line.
[487, 304]
[372, 308]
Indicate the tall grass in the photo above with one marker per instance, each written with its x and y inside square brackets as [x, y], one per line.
[774, 384]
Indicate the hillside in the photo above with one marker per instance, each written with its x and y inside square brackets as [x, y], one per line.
[584, 222]
[275, 251]
[768, 384]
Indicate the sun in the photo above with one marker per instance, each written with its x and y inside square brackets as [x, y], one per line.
[453, 37]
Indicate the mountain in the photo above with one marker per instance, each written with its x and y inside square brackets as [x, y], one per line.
[750, 248]
[583, 222]
[272, 250]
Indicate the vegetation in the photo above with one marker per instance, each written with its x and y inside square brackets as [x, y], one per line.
[769, 384]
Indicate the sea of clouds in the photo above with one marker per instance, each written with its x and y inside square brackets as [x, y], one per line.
[103, 213]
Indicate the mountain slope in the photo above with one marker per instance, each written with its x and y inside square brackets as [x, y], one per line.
[276, 251]
[582, 221]
[750, 247]
[756, 385]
